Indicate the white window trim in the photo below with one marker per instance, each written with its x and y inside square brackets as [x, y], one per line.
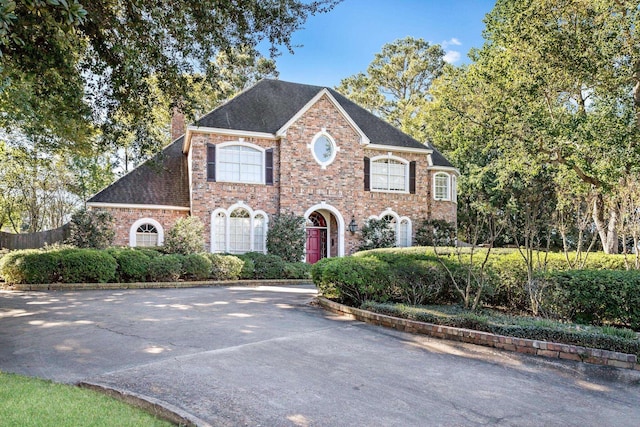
[389, 156]
[138, 223]
[398, 219]
[454, 189]
[448, 192]
[227, 227]
[334, 152]
[242, 143]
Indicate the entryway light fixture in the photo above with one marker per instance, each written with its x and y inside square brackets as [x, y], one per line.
[353, 227]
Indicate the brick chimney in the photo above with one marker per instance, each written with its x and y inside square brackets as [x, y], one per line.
[177, 124]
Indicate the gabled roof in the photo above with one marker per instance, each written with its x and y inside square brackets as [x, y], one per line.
[270, 104]
[162, 181]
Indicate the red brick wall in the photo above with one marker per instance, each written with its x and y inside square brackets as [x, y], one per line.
[125, 217]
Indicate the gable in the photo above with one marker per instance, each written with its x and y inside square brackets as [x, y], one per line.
[270, 105]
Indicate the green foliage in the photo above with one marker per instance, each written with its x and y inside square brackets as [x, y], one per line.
[287, 237]
[519, 327]
[133, 264]
[594, 296]
[297, 270]
[377, 233]
[91, 229]
[186, 236]
[30, 266]
[165, 268]
[265, 266]
[352, 280]
[87, 266]
[436, 232]
[225, 267]
[196, 267]
[248, 269]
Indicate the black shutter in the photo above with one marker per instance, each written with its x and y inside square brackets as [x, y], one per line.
[367, 174]
[211, 162]
[268, 166]
[412, 177]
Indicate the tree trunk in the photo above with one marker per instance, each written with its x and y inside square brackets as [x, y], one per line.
[606, 229]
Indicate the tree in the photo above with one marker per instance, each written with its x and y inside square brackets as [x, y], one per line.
[67, 65]
[185, 237]
[395, 86]
[287, 237]
[557, 79]
[91, 229]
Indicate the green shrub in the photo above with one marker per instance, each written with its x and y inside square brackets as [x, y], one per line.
[353, 280]
[436, 232]
[594, 296]
[133, 265]
[91, 229]
[185, 237]
[196, 267]
[150, 252]
[287, 237]
[30, 266]
[297, 270]
[87, 266]
[419, 282]
[165, 268]
[265, 266]
[225, 267]
[377, 233]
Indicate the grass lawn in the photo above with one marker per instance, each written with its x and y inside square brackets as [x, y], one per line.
[28, 401]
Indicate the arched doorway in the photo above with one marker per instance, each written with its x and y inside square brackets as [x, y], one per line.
[334, 240]
[317, 232]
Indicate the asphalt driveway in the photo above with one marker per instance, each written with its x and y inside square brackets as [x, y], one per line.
[265, 356]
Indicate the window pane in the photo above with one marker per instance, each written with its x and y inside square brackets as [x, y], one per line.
[147, 235]
[442, 187]
[403, 231]
[239, 232]
[258, 233]
[220, 225]
[238, 163]
[390, 175]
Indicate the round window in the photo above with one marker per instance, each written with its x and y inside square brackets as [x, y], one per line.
[324, 150]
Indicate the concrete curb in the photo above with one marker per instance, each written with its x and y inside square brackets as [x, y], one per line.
[519, 345]
[149, 285]
[148, 404]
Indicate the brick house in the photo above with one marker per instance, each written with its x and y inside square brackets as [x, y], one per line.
[282, 147]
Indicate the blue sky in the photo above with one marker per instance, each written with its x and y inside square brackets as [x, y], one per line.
[343, 42]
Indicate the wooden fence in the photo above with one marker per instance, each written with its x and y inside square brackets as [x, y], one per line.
[33, 240]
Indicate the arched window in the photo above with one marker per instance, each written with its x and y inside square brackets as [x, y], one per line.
[389, 174]
[323, 149]
[238, 230]
[400, 225]
[146, 232]
[441, 186]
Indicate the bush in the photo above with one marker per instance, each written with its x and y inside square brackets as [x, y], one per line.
[248, 270]
[186, 237]
[196, 266]
[30, 266]
[165, 268]
[91, 229]
[436, 232]
[594, 296]
[377, 233]
[265, 266]
[287, 237]
[419, 282]
[297, 270]
[87, 266]
[352, 280]
[133, 265]
[225, 267]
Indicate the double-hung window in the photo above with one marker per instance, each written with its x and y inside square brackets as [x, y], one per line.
[441, 186]
[389, 175]
[239, 162]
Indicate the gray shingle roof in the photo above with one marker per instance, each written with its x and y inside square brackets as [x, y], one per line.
[161, 180]
[270, 104]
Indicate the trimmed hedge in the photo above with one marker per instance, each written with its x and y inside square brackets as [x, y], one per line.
[86, 266]
[30, 266]
[225, 267]
[133, 265]
[594, 296]
[265, 266]
[165, 268]
[196, 267]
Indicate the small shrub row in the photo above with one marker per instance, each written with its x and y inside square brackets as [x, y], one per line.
[621, 340]
[72, 265]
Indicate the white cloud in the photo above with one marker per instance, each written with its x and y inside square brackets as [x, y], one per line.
[451, 42]
[452, 56]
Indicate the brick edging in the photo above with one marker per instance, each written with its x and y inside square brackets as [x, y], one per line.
[519, 345]
[148, 285]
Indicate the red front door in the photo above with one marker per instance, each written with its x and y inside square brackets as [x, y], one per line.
[316, 244]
